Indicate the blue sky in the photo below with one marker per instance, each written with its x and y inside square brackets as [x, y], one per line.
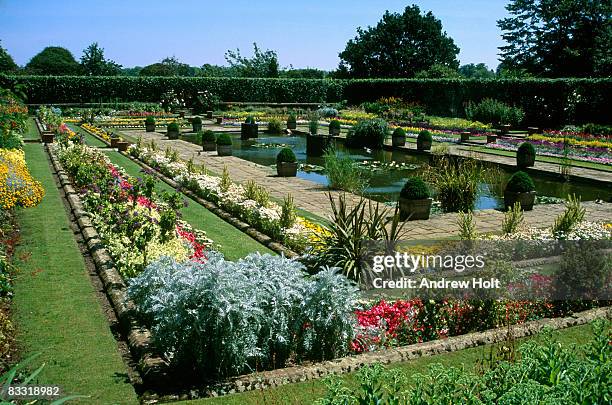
[304, 33]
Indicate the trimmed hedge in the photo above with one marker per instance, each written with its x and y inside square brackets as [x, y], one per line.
[546, 102]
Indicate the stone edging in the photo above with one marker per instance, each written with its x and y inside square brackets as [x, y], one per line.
[152, 367]
[214, 208]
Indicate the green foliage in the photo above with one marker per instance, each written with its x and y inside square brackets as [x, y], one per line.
[149, 120]
[558, 39]
[291, 119]
[275, 126]
[572, 216]
[286, 155]
[173, 127]
[368, 133]
[583, 272]
[288, 212]
[224, 139]
[250, 120]
[513, 219]
[425, 136]
[344, 174]
[520, 182]
[208, 136]
[410, 42]
[226, 180]
[494, 112]
[197, 121]
[225, 318]
[438, 71]
[168, 67]
[262, 64]
[524, 154]
[334, 125]
[399, 132]
[467, 226]
[596, 129]
[53, 60]
[257, 193]
[94, 63]
[415, 189]
[7, 64]
[479, 71]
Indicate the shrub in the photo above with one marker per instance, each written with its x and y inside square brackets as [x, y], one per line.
[291, 119]
[286, 155]
[313, 126]
[344, 174]
[149, 120]
[494, 112]
[513, 219]
[225, 318]
[173, 127]
[250, 120]
[525, 154]
[208, 136]
[327, 112]
[424, 136]
[399, 132]
[415, 189]
[274, 126]
[224, 139]
[334, 125]
[197, 121]
[368, 133]
[520, 182]
[572, 216]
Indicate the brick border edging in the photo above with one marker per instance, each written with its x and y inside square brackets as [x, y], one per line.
[155, 370]
[260, 237]
[152, 367]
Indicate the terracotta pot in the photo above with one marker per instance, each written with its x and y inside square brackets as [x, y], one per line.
[248, 131]
[210, 146]
[286, 169]
[526, 199]
[398, 141]
[411, 210]
[224, 150]
[122, 146]
[150, 127]
[316, 145]
[48, 138]
[423, 145]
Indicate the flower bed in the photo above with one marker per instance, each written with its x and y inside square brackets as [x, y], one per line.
[17, 187]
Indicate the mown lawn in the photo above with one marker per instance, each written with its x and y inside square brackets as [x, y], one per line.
[55, 307]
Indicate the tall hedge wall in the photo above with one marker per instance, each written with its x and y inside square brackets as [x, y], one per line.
[547, 102]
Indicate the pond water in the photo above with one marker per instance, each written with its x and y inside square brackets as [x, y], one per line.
[386, 185]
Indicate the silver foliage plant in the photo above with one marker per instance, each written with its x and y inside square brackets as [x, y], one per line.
[225, 318]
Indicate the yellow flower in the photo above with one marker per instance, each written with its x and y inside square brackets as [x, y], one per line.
[17, 187]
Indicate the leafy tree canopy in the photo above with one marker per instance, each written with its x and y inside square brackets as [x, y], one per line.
[170, 66]
[262, 64]
[400, 45]
[7, 64]
[53, 60]
[479, 71]
[558, 38]
[94, 63]
[438, 71]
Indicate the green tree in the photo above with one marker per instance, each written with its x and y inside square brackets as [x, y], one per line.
[479, 71]
[95, 64]
[306, 73]
[133, 71]
[53, 60]
[438, 71]
[558, 38]
[170, 66]
[208, 70]
[262, 64]
[400, 45]
[7, 64]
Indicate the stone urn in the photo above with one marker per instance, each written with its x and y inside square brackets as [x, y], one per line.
[286, 169]
[197, 126]
[150, 127]
[173, 134]
[209, 146]
[398, 140]
[248, 131]
[526, 199]
[423, 144]
[224, 150]
[465, 136]
[316, 145]
[411, 210]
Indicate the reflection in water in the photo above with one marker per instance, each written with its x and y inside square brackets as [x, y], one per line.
[386, 185]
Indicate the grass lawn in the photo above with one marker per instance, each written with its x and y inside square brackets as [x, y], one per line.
[55, 307]
[546, 159]
[31, 132]
[308, 392]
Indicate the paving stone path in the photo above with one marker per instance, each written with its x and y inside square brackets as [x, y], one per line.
[313, 198]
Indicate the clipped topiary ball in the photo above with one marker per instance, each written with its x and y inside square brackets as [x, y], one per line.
[520, 182]
[415, 189]
[286, 155]
[197, 121]
[173, 127]
[525, 155]
[150, 120]
[208, 136]
[250, 120]
[224, 139]
[424, 136]
[399, 132]
[334, 124]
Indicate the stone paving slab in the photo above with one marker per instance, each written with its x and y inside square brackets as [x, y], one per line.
[313, 197]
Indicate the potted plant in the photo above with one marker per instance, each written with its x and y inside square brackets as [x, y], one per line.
[414, 201]
[249, 128]
[491, 137]
[122, 145]
[398, 138]
[334, 128]
[209, 141]
[520, 188]
[219, 120]
[196, 123]
[424, 140]
[48, 137]
[173, 131]
[286, 163]
[465, 136]
[209, 115]
[114, 139]
[224, 145]
[292, 121]
[150, 124]
[525, 155]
